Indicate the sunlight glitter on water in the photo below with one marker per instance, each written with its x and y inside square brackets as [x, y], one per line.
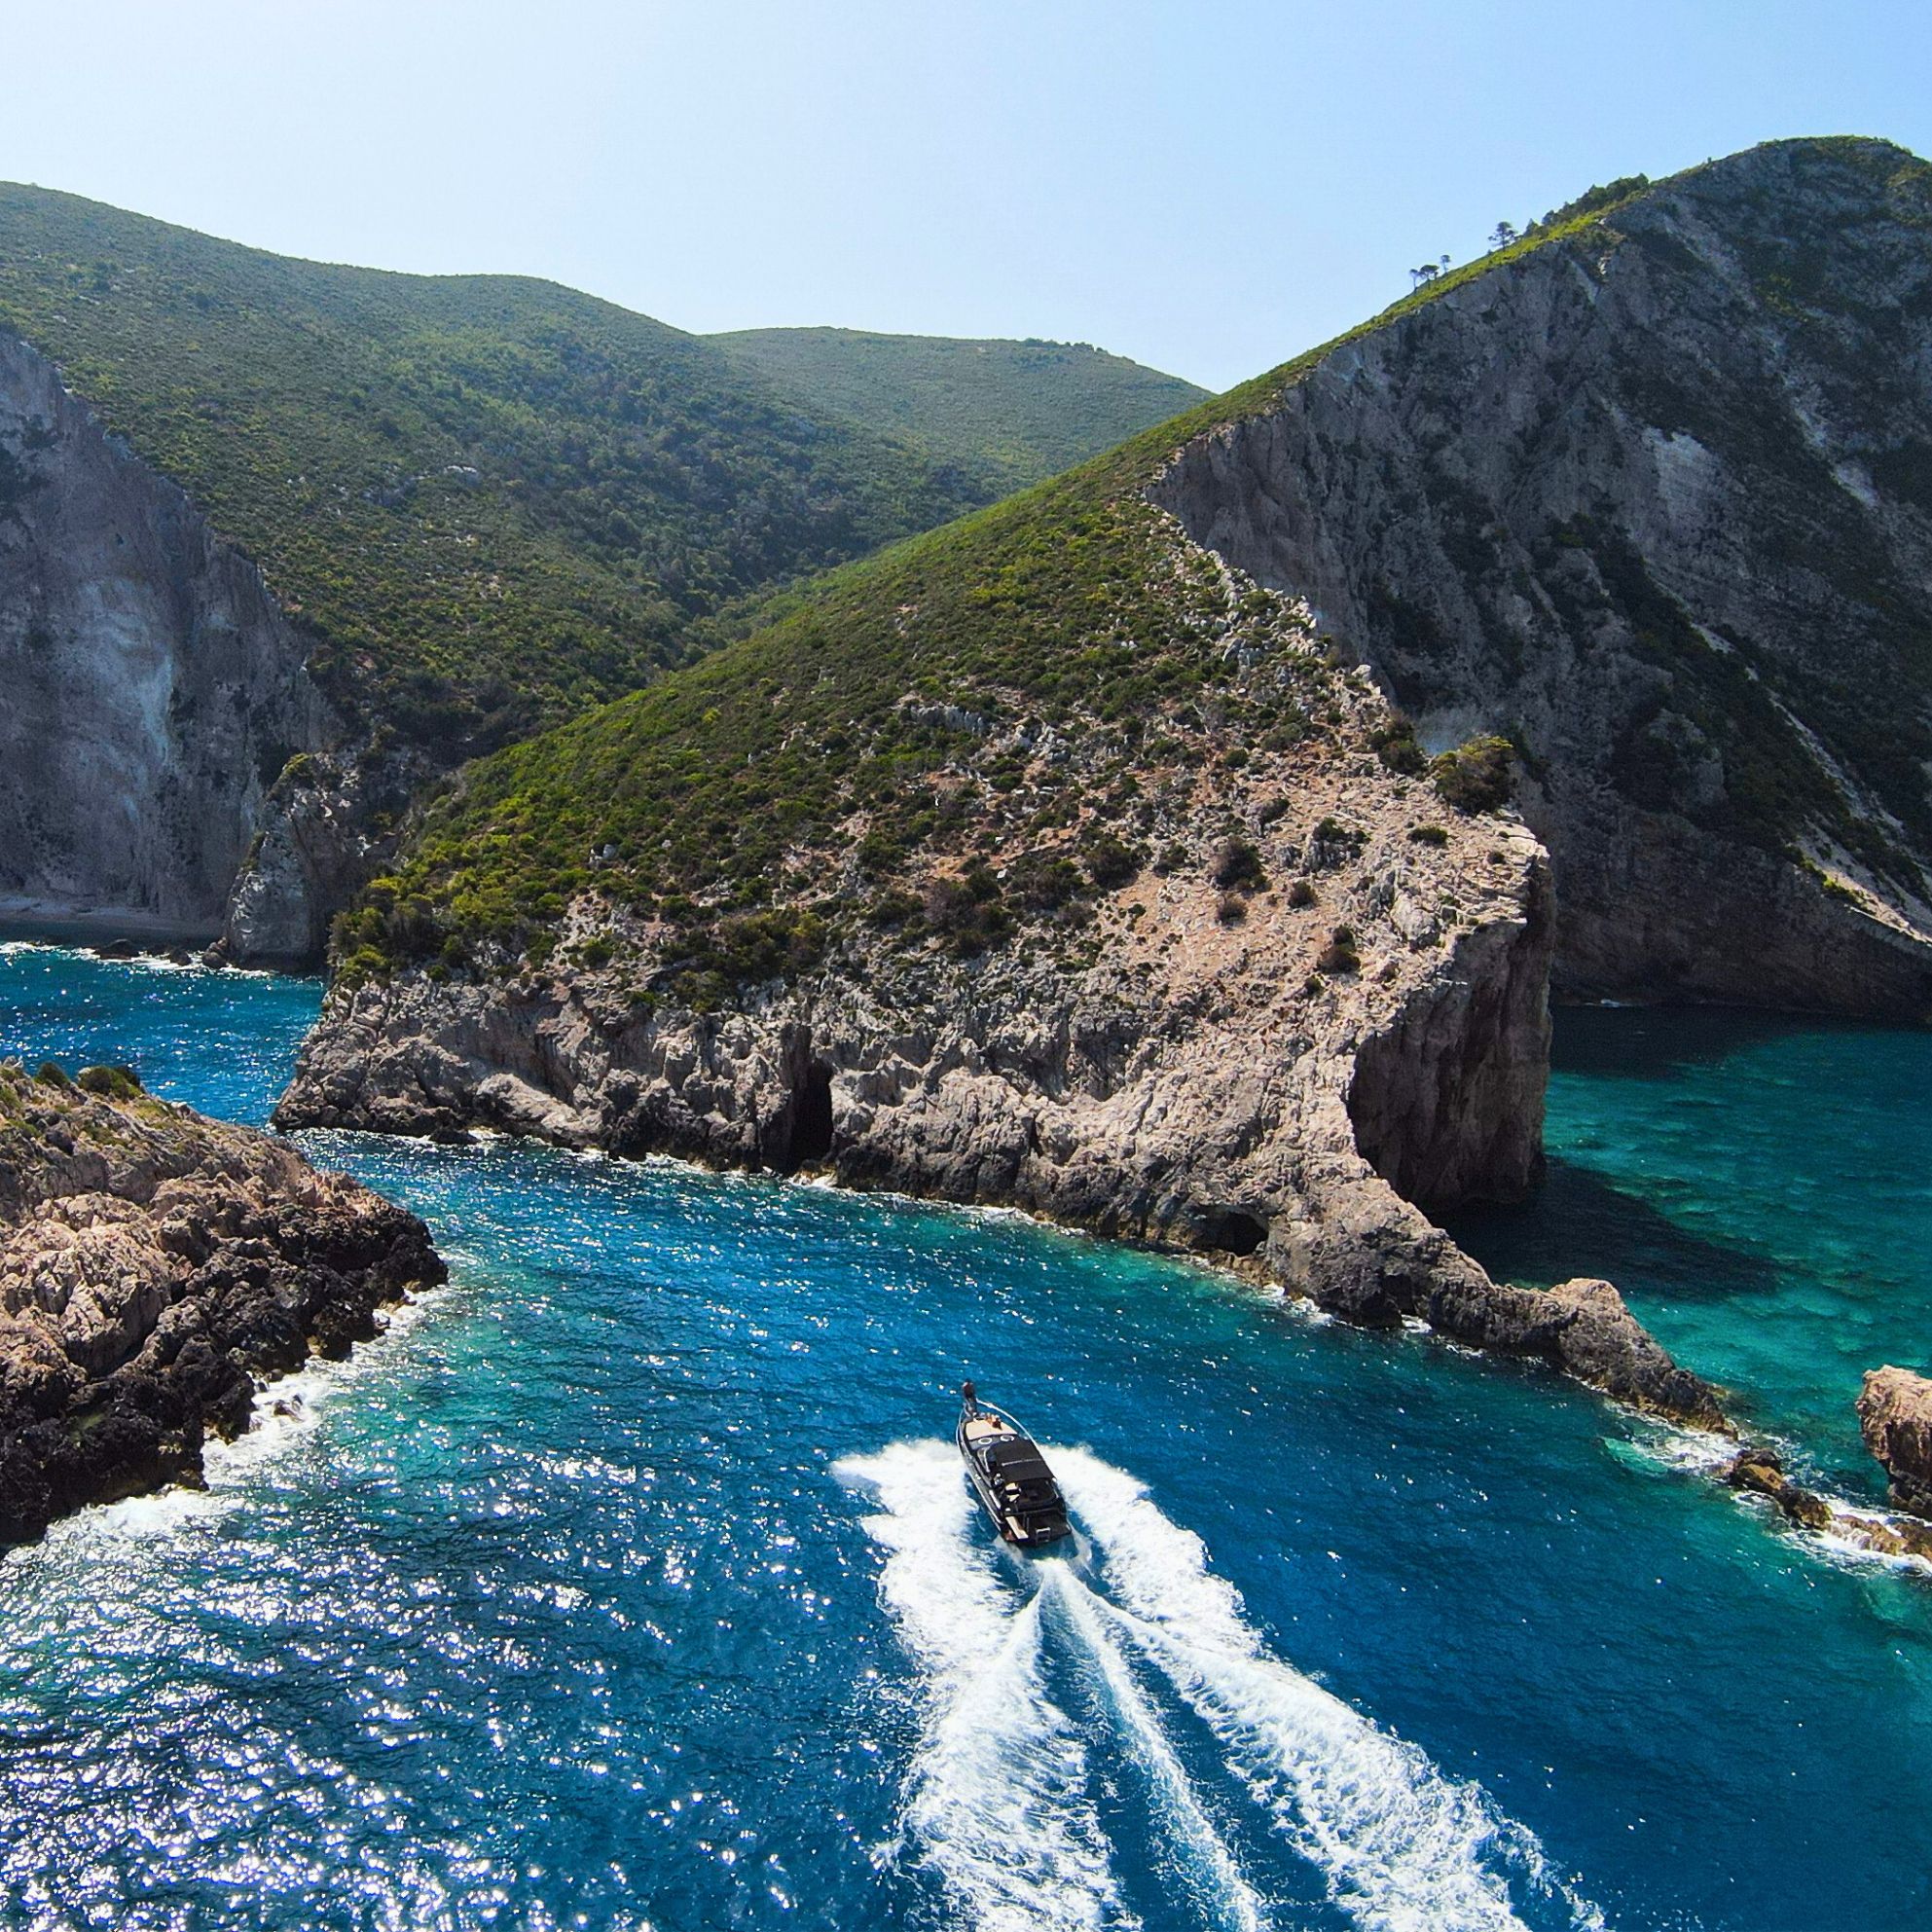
[554, 1607]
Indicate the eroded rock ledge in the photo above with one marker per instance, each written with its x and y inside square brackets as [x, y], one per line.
[155, 1268]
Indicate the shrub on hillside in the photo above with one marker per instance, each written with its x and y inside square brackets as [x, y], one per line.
[1237, 864]
[1109, 862]
[1339, 956]
[1395, 745]
[114, 1082]
[1477, 776]
[1044, 881]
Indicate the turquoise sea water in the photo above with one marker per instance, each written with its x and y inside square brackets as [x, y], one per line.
[630, 1581]
[1763, 1195]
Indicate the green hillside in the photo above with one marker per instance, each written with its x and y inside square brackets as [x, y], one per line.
[491, 499]
[1007, 413]
[895, 712]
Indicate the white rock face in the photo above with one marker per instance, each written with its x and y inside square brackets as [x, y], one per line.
[153, 688]
[1199, 1086]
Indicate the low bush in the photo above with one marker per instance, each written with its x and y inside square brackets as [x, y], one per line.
[1477, 776]
[1044, 881]
[1237, 864]
[114, 1082]
[1395, 745]
[1109, 862]
[1340, 954]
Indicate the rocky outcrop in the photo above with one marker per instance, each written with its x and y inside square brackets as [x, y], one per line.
[1895, 1417]
[154, 688]
[1655, 499]
[1648, 497]
[1895, 1414]
[326, 826]
[155, 1268]
[1201, 1085]
[1759, 1472]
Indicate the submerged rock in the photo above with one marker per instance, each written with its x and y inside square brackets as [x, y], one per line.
[1761, 1473]
[155, 1268]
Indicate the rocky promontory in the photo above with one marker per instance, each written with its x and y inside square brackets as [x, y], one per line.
[1270, 1012]
[156, 1267]
[1183, 849]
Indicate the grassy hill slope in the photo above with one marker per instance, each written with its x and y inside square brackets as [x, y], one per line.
[1012, 413]
[491, 499]
[912, 714]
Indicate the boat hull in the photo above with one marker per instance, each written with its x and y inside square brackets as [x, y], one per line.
[1029, 1513]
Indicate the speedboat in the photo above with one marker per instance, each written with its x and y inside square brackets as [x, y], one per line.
[1010, 1475]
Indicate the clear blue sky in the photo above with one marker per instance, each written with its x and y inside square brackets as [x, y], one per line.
[1207, 187]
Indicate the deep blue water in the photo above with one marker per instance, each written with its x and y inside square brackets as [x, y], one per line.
[628, 1582]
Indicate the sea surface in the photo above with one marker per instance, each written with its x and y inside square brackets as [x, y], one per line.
[631, 1580]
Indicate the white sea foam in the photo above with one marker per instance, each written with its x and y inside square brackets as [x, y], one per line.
[1213, 1872]
[1672, 1446]
[996, 1797]
[1403, 1847]
[288, 1408]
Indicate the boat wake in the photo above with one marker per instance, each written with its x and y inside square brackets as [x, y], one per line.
[1049, 1690]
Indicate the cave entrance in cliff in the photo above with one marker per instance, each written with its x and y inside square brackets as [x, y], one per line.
[1231, 1231]
[811, 1137]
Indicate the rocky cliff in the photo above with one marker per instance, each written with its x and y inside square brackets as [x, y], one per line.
[487, 502]
[154, 1268]
[1654, 497]
[1061, 860]
[154, 688]
[1322, 1002]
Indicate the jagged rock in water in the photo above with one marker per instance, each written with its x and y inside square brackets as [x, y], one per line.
[155, 1268]
[1759, 1472]
[1895, 1417]
[1655, 499]
[154, 687]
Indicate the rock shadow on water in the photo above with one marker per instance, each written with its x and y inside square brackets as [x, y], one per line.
[1662, 1043]
[1577, 1223]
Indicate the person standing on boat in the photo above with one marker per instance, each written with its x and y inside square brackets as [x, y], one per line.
[969, 1396]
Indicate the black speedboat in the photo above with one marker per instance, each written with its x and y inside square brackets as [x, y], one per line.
[1011, 1476]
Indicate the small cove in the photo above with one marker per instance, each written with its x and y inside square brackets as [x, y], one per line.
[575, 1599]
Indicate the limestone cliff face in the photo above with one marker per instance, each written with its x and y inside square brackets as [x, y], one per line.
[1656, 500]
[325, 827]
[154, 688]
[1202, 1085]
[154, 1267]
